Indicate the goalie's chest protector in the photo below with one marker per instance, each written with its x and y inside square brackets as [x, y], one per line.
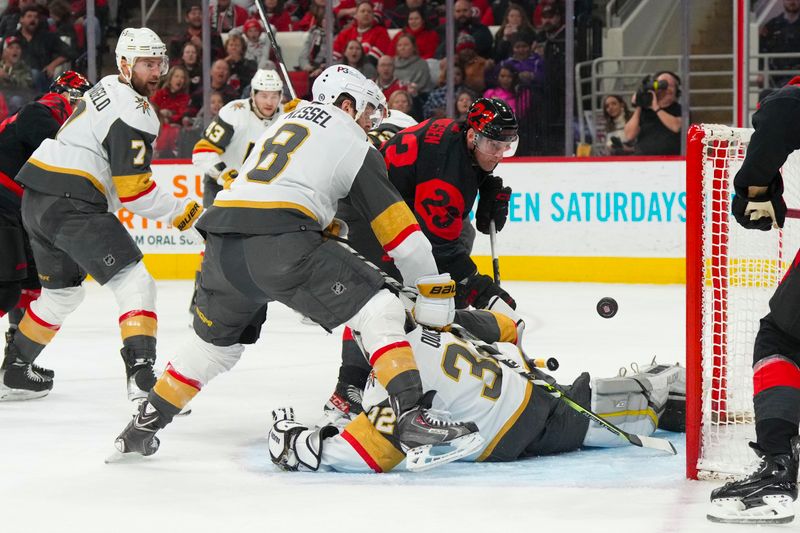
[305, 161]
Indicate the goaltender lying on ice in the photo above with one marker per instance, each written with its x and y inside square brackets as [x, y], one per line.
[516, 418]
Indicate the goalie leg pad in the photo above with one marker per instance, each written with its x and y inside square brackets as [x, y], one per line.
[294, 447]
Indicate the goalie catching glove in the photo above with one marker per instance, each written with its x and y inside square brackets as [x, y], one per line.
[435, 305]
[760, 207]
[293, 446]
[187, 217]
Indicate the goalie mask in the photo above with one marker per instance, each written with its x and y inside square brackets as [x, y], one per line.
[135, 43]
[340, 79]
[495, 126]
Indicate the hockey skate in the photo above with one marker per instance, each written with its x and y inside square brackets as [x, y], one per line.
[20, 380]
[343, 405]
[138, 439]
[764, 497]
[139, 372]
[429, 439]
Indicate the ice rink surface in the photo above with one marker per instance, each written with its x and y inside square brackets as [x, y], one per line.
[213, 472]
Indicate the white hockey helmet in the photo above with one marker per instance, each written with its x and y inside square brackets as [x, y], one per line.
[338, 79]
[134, 43]
[265, 80]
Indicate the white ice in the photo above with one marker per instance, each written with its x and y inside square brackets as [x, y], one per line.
[213, 473]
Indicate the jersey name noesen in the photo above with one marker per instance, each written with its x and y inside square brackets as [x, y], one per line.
[311, 113]
[99, 98]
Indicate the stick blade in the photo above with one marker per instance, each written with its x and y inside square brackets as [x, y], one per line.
[653, 442]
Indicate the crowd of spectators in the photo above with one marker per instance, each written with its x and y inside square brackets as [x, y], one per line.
[521, 62]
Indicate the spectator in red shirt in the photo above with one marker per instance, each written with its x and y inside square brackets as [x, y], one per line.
[172, 101]
[277, 15]
[312, 17]
[225, 15]
[373, 38]
[426, 39]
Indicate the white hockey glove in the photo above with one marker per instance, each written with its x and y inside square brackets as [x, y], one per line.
[435, 305]
[293, 446]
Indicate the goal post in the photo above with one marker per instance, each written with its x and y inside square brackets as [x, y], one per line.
[731, 273]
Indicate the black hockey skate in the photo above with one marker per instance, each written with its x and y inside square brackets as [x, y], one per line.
[139, 436]
[421, 429]
[139, 371]
[345, 402]
[764, 497]
[22, 382]
[11, 352]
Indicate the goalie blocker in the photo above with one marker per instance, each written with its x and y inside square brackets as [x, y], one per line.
[516, 419]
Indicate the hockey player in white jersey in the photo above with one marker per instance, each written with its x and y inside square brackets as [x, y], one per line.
[228, 139]
[98, 163]
[516, 418]
[268, 238]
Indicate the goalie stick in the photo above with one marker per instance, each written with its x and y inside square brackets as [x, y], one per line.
[490, 351]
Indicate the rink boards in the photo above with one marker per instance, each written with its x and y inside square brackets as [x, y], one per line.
[614, 220]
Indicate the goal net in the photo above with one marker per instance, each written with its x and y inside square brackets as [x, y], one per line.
[731, 273]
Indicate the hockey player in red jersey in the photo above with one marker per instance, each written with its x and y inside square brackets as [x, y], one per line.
[98, 162]
[767, 494]
[268, 239]
[20, 135]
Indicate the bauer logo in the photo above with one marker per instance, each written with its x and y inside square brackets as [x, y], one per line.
[338, 289]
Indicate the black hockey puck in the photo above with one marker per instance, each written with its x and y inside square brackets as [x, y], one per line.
[607, 307]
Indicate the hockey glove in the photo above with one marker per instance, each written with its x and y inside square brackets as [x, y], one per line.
[226, 178]
[492, 204]
[435, 306]
[291, 105]
[293, 446]
[337, 228]
[189, 215]
[760, 207]
[477, 290]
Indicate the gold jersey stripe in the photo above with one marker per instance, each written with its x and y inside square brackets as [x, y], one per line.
[393, 363]
[255, 204]
[132, 184]
[36, 332]
[63, 170]
[509, 423]
[508, 329]
[372, 442]
[138, 325]
[204, 146]
[391, 222]
[174, 391]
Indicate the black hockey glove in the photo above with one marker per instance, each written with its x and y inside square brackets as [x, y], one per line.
[492, 204]
[477, 290]
[757, 212]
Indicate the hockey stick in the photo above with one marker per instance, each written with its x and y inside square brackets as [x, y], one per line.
[493, 353]
[263, 14]
[495, 259]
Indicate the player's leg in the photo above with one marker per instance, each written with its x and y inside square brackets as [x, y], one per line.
[332, 286]
[767, 493]
[225, 319]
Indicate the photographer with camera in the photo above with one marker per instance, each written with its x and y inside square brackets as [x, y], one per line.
[656, 121]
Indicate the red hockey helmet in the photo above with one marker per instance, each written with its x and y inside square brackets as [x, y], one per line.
[72, 83]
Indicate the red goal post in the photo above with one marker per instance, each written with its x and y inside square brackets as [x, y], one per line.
[731, 273]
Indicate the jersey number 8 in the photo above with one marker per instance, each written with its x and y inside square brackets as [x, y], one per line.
[276, 152]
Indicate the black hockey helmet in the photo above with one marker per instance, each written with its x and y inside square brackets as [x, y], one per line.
[494, 121]
[72, 83]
